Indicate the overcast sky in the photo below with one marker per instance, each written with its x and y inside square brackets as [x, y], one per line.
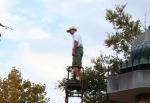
[40, 47]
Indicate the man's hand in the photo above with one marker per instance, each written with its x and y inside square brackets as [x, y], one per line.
[73, 52]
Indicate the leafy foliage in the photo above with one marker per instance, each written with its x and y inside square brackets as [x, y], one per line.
[14, 89]
[95, 82]
[125, 28]
[96, 78]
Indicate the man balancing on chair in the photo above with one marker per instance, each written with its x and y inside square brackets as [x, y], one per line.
[77, 52]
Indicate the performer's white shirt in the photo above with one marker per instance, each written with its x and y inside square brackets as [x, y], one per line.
[77, 38]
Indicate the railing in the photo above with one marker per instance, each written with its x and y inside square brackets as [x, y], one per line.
[132, 65]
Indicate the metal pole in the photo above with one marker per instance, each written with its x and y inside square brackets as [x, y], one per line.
[66, 98]
[82, 91]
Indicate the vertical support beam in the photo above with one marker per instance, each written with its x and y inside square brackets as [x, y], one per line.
[82, 81]
[82, 97]
[66, 98]
[68, 69]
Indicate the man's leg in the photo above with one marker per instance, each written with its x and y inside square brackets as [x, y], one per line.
[74, 67]
[78, 73]
[73, 73]
[79, 62]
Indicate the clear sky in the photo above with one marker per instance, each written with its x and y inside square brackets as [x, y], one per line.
[40, 47]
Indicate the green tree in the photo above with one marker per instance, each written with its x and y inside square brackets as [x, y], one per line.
[14, 89]
[95, 79]
[126, 30]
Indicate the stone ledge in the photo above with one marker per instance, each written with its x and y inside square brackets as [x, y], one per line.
[125, 86]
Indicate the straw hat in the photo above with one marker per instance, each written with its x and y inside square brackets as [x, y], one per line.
[72, 28]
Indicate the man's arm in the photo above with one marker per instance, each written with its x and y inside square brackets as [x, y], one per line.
[74, 47]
